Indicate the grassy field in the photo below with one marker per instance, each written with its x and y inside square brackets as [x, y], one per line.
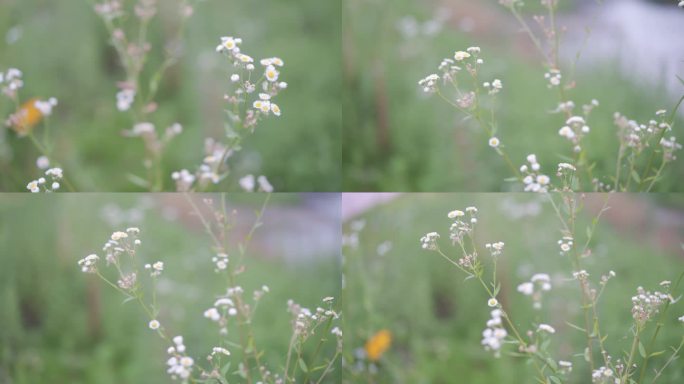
[63, 51]
[436, 318]
[395, 138]
[62, 326]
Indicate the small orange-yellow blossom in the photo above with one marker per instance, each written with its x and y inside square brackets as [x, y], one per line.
[26, 117]
[378, 344]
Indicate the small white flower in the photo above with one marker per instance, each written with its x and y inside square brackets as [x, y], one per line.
[271, 74]
[33, 186]
[213, 314]
[546, 328]
[43, 162]
[494, 142]
[461, 55]
[220, 350]
[248, 183]
[154, 325]
[455, 213]
[264, 185]
[235, 78]
[492, 302]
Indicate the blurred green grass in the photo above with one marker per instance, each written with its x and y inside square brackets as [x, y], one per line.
[64, 52]
[437, 318]
[59, 325]
[397, 139]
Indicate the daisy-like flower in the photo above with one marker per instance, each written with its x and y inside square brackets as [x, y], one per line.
[494, 142]
[228, 43]
[546, 328]
[271, 73]
[244, 58]
[455, 213]
[492, 302]
[33, 186]
[272, 61]
[154, 325]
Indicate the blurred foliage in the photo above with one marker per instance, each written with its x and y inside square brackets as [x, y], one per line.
[396, 138]
[59, 325]
[63, 50]
[436, 318]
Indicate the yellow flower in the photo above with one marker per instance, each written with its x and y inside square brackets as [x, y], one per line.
[378, 344]
[26, 118]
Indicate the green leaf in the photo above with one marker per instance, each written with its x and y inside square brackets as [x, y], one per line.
[654, 354]
[552, 363]
[642, 350]
[635, 176]
[303, 366]
[555, 380]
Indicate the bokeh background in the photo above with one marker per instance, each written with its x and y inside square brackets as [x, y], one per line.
[59, 325]
[62, 47]
[396, 138]
[436, 318]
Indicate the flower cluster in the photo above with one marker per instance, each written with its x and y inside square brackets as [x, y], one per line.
[493, 336]
[464, 223]
[155, 269]
[540, 282]
[646, 304]
[11, 82]
[449, 69]
[304, 321]
[262, 103]
[49, 183]
[429, 83]
[635, 135]
[261, 184]
[604, 375]
[180, 364]
[553, 76]
[534, 180]
[565, 244]
[121, 242]
[494, 87]
[495, 248]
[223, 308]
[88, 264]
[429, 241]
[574, 130]
[221, 261]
